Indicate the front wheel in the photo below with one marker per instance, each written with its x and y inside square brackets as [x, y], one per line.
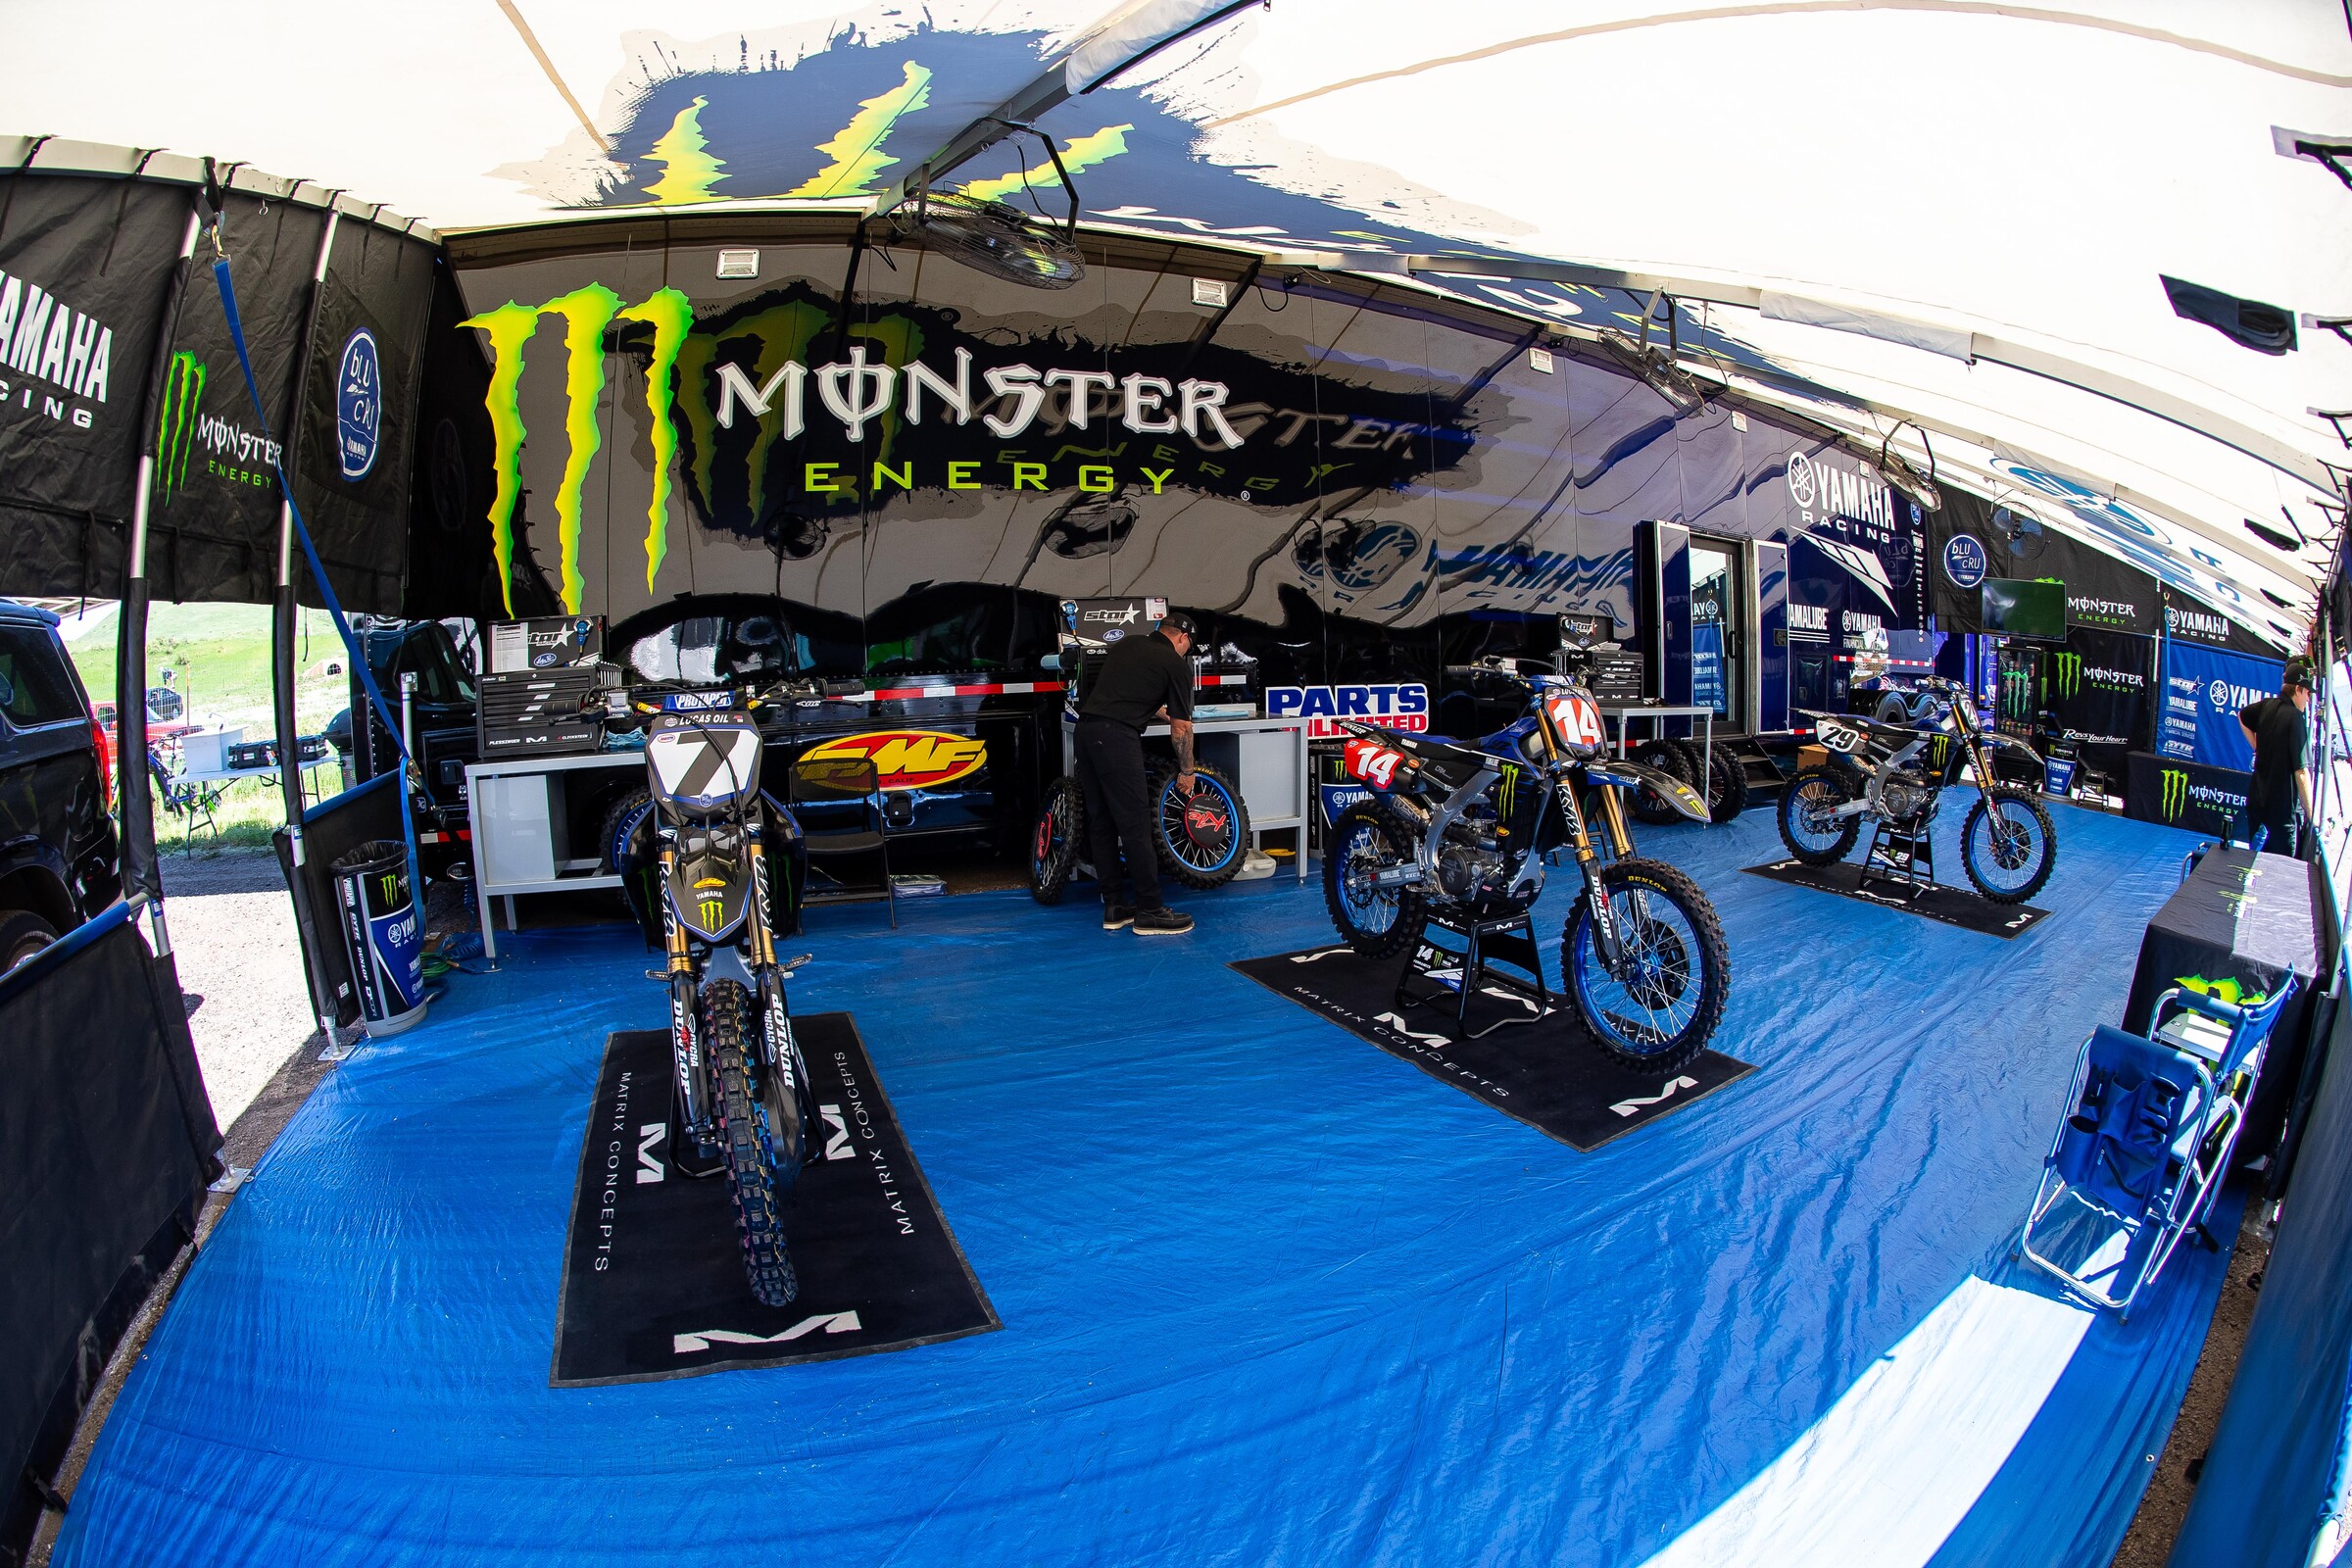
[2010, 851]
[754, 1105]
[1054, 846]
[1201, 841]
[1656, 1006]
[1377, 921]
[1810, 821]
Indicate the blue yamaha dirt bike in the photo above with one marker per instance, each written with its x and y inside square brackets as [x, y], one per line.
[1465, 831]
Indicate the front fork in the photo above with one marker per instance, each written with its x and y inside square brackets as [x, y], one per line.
[783, 1049]
[1589, 863]
[685, 1024]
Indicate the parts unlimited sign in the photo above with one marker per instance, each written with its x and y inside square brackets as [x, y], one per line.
[1403, 706]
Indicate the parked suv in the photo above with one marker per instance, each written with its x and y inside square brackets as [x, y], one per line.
[58, 850]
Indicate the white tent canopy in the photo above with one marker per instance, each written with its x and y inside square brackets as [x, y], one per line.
[1934, 223]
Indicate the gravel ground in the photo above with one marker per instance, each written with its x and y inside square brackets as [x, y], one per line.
[232, 932]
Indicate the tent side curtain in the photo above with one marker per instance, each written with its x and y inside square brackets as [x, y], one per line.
[91, 370]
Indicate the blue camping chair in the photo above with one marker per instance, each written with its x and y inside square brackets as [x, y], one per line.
[2149, 1130]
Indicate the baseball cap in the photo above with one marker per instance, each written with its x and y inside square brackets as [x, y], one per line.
[1178, 620]
[2298, 674]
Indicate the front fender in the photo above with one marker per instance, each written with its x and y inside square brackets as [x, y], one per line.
[1627, 775]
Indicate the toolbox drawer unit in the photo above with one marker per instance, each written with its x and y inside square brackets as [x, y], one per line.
[540, 713]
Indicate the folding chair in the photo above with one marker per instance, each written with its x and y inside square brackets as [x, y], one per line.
[192, 803]
[825, 793]
[2146, 1141]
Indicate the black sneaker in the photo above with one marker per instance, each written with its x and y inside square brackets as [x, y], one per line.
[1161, 923]
[1117, 917]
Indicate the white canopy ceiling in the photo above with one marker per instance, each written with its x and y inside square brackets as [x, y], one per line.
[1949, 213]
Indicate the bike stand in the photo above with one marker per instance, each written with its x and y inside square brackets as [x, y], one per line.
[1907, 859]
[1457, 975]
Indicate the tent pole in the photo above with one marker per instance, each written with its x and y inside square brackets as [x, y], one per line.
[143, 879]
[283, 621]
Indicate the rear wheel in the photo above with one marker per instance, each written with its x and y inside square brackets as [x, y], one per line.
[1377, 921]
[627, 820]
[21, 935]
[1667, 757]
[752, 1105]
[1658, 1006]
[1201, 841]
[1809, 823]
[1054, 845]
[2009, 852]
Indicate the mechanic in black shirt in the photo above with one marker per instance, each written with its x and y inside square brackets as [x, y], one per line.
[2275, 728]
[1142, 678]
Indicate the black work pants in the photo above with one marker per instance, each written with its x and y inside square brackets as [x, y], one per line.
[1111, 770]
[2273, 830]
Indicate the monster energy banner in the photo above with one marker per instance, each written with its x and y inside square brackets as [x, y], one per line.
[2102, 593]
[87, 268]
[2097, 687]
[2191, 795]
[84, 266]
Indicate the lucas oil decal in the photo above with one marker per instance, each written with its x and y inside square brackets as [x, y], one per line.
[1403, 706]
[910, 759]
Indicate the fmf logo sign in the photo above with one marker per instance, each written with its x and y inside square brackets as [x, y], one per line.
[910, 758]
[1403, 706]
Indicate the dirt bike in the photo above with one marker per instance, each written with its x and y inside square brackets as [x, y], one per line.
[1463, 832]
[1876, 772]
[741, 1096]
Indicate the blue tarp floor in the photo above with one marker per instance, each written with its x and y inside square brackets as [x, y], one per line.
[1269, 1295]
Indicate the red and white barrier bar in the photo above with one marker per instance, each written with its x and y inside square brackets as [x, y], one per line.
[991, 688]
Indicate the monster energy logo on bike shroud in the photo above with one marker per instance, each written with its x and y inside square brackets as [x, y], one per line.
[878, 382]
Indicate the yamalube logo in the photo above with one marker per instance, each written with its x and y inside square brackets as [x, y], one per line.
[358, 404]
[1965, 561]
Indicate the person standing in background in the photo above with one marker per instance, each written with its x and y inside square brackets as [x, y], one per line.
[2275, 727]
[1142, 678]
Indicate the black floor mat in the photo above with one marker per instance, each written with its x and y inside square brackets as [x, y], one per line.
[653, 1274]
[1960, 907]
[1548, 1074]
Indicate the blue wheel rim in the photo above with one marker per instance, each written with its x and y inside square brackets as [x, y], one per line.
[1377, 912]
[1981, 853]
[1793, 813]
[1179, 842]
[1634, 1017]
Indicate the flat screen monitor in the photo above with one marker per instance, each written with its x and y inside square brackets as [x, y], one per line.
[2014, 607]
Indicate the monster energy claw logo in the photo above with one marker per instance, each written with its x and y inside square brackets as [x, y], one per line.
[2066, 673]
[175, 431]
[2176, 793]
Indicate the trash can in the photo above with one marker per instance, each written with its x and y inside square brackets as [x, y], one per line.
[383, 934]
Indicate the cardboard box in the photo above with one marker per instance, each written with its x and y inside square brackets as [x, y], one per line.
[1812, 756]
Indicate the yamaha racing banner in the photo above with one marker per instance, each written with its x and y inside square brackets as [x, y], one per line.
[2186, 621]
[85, 264]
[2191, 795]
[2102, 593]
[2203, 692]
